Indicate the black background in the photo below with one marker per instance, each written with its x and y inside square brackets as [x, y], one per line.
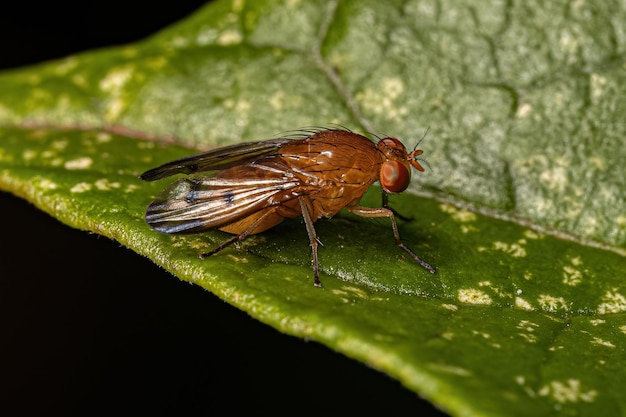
[90, 328]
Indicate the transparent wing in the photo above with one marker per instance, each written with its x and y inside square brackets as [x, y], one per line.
[216, 159]
[192, 205]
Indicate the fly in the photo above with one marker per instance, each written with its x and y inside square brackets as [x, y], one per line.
[248, 188]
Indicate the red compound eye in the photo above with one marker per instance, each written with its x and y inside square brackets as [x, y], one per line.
[394, 176]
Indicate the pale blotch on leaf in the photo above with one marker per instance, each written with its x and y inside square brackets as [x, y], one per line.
[29, 155]
[46, 184]
[602, 342]
[572, 276]
[113, 84]
[514, 249]
[104, 184]
[523, 110]
[450, 307]
[529, 337]
[229, 37]
[355, 291]
[481, 334]
[531, 234]
[180, 42]
[458, 215]
[204, 37]
[552, 304]
[238, 259]
[613, 302]
[240, 106]
[116, 79]
[450, 369]
[589, 224]
[114, 109]
[79, 80]
[382, 100]
[473, 296]
[555, 178]
[81, 187]
[568, 391]
[449, 336]
[103, 137]
[84, 162]
[60, 145]
[598, 84]
[527, 326]
[522, 304]
[279, 100]
[495, 289]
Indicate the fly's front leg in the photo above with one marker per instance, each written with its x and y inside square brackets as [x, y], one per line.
[312, 238]
[386, 205]
[372, 212]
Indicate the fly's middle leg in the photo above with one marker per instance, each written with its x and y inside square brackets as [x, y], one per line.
[312, 239]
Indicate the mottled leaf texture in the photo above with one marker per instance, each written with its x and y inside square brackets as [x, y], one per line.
[523, 209]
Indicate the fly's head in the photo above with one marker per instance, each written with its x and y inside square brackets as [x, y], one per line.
[395, 172]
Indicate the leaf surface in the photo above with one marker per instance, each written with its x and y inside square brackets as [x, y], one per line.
[522, 211]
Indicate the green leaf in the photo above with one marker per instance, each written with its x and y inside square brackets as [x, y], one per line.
[523, 212]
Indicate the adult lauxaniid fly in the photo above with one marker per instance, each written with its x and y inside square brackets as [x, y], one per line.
[247, 188]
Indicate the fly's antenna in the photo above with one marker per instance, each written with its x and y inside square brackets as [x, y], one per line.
[421, 139]
[414, 156]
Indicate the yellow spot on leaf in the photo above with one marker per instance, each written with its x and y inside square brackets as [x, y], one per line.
[103, 137]
[613, 302]
[116, 79]
[29, 154]
[229, 37]
[474, 296]
[602, 342]
[552, 304]
[459, 215]
[531, 234]
[523, 110]
[523, 304]
[382, 100]
[79, 163]
[47, 184]
[81, 187]
[105, 185]
[514, 249]
[568, 391]
[572, 276]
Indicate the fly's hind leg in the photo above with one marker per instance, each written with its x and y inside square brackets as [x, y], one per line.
[241, 236]
[312, 239]
[372, 212]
